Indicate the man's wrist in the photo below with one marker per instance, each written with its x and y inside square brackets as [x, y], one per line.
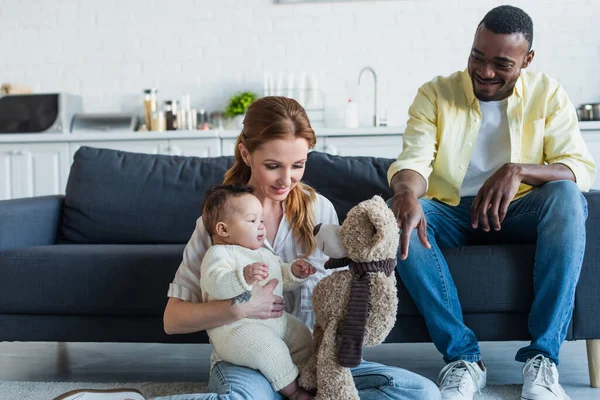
[519, 170]
[404, 192]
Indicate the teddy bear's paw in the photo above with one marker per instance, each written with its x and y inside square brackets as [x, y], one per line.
[348, 393]
[308, 378]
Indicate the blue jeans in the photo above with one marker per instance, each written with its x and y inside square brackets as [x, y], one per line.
[373, 381]
[552, 216]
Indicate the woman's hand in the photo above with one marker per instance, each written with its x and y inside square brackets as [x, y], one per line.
[259, 303]
[302, 269]
[255, 272]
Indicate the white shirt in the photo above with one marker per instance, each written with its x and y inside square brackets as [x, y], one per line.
[491, 149]
[298, 302]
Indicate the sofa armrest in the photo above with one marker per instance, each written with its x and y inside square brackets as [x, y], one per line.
[586, 319]
[31, 221]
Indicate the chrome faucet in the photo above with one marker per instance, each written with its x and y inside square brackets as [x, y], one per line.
[375, 116]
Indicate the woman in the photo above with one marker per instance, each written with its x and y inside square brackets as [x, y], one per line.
[271, 153]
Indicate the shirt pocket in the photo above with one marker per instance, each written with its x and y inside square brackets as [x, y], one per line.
[532, 142]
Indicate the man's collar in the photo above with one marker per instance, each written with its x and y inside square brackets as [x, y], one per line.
[468, 87]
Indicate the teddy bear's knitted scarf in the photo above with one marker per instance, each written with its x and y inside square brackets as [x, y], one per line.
[354, 324]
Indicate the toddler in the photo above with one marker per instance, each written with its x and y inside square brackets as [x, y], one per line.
[232, 215]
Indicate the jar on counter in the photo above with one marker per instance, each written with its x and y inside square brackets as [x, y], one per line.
[170, 109]
[216, 120]
[150, 105]
[203, 120]
[157, 121]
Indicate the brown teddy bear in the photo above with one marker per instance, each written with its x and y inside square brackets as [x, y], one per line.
[355, 307]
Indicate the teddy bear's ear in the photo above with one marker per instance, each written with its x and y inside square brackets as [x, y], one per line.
[316, 229]
[379, 213]
[385, 238]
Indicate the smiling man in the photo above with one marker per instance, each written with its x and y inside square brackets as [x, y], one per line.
[493, 154]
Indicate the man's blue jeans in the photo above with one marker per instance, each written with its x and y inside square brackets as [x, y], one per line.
[373, 381]
[552, 216]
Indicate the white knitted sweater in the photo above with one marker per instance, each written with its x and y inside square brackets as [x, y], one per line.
[222, 278]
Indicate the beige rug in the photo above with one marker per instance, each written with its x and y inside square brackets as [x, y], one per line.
[49, 390]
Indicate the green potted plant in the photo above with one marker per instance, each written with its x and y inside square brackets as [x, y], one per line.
[238, 105]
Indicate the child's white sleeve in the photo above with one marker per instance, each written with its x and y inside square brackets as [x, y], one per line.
[290, 281]
[221, 277]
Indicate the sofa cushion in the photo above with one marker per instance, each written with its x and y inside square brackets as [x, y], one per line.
[132, 280]
[346, 181]
[488, 279]
[99, 280]
[127, 198]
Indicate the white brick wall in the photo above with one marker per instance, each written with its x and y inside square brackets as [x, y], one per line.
[109, 50]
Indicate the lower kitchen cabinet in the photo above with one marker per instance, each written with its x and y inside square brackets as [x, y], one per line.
[592, 140]
[389, 146]
[133, 146]
[42, 168]
[33, 169]
[209, 147]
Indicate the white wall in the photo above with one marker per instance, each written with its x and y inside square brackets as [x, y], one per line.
[109, 50]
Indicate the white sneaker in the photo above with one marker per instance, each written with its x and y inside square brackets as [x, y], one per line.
[101, 394]
[540, 380]
[461, 380]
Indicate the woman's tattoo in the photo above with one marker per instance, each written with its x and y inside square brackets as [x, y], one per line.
[242, 298]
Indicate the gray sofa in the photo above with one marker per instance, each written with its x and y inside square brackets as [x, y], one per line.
[95, 265]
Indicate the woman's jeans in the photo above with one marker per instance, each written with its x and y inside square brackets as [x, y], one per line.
[373, 381]
[553, 216]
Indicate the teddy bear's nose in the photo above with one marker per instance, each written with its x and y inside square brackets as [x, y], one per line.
[316, 229]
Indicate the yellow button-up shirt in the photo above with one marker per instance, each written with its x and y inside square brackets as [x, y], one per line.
[445, 118]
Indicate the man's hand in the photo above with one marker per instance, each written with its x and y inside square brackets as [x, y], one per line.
[409, 214]
[255, 272]
[302, 269]
[492, 200]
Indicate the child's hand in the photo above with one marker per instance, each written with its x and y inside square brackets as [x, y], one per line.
[255, 272]
[302, 269]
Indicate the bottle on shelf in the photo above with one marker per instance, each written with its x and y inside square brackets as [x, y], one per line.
[351, 115]
[150, 105]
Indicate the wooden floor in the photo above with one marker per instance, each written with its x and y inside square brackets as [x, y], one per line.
[108, 362]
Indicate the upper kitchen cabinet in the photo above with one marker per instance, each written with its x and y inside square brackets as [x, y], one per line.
[33, 169]
[386, 146]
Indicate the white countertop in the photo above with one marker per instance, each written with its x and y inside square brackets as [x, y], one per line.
[104, 136]
[129, 135]
[226, 134]
[362, 131]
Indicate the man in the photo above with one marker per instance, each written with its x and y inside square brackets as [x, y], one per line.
[493, 153]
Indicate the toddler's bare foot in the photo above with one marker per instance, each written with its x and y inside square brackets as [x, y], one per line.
[293, 391]
[301, 394]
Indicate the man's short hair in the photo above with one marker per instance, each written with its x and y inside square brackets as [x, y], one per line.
[214, 207]
[509, 19]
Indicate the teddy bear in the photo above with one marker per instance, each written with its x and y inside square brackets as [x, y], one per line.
[354, 307]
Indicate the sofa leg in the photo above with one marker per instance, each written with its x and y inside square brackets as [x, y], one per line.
[593, 353]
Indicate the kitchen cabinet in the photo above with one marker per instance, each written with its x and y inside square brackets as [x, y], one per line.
[134, 146]
[389, 146]
[33, 169]
[210, 147]
[592, 139]
[228, 145]
[39, 165]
